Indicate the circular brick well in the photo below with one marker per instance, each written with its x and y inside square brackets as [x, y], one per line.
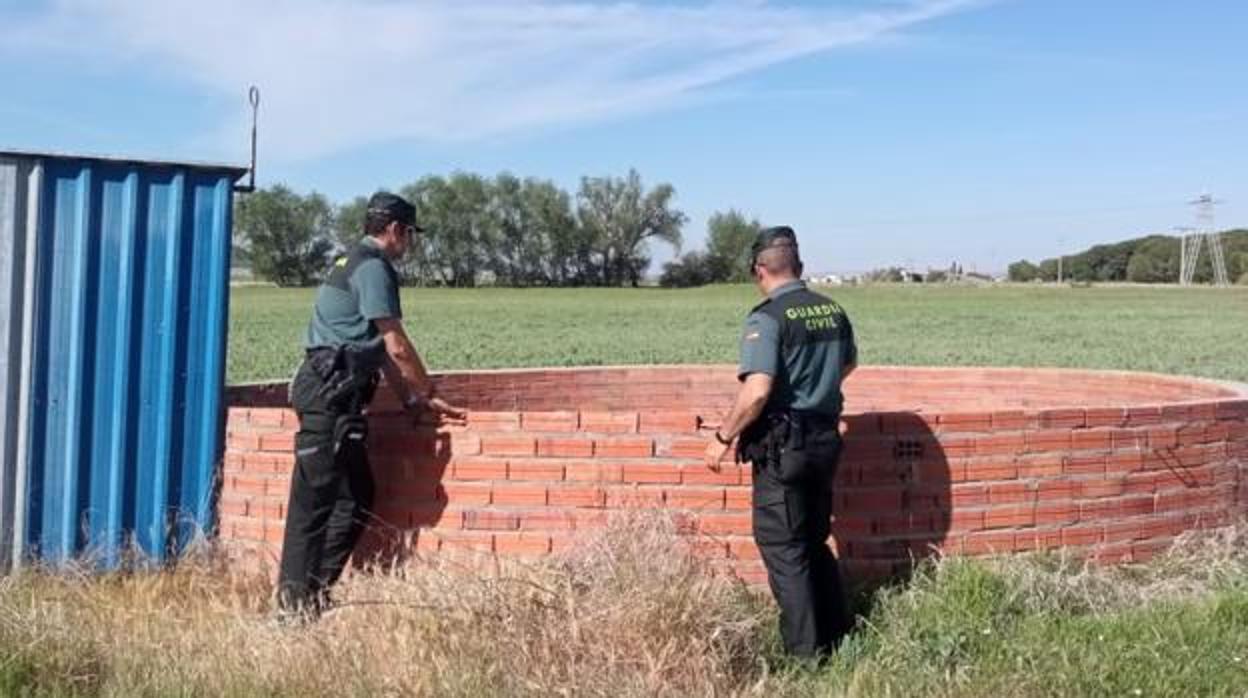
[1108, 465]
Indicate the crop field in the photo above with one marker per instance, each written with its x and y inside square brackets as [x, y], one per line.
[1199, 332]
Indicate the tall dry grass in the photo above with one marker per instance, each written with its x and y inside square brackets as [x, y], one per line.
[634, 612]
[1197, 565]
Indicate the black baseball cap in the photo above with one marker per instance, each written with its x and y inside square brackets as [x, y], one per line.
[393, 207]
[778, 236]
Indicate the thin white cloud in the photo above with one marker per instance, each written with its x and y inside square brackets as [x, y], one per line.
[338, 74]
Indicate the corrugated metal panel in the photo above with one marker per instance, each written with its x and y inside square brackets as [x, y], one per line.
[127, 369]
[17, 180]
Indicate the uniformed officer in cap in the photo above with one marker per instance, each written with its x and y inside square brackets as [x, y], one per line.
[796, 349]
[355, 333]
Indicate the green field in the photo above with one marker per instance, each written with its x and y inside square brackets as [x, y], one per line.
[1200, 332]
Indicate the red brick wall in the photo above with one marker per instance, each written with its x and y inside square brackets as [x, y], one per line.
[1105, 464]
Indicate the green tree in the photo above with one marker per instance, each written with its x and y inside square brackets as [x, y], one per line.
[349, 222]
[460, 228]
[620, 216]
[692, 269]
[1237, 267]
[1078, 268]
[1159, 255]
[240, 256]
[510, 257]
[1142, 269]
[535, 229]
[1103, 262]
[1023, 271]
[729, 237]
[562, 255]
[287, 237]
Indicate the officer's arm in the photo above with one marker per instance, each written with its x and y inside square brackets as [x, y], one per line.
[405, 371]
[751, 398]
[760, 359]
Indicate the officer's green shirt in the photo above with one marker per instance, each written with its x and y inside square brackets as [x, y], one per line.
[344, 317]
[808, 377]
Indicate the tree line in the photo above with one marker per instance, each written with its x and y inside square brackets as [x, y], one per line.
[504, 231]
[1151, 259]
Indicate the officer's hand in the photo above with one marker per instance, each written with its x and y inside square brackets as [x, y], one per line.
[715, 453]
[446, 413]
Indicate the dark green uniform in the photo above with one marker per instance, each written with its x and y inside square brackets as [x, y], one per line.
[805, 341]
[332, 486]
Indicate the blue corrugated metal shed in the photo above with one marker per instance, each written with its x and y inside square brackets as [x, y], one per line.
[117, 435]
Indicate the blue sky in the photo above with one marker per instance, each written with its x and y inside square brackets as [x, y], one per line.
[884, 131]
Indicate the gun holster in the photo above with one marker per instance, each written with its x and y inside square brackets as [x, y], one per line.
[344, 374]
[797, 433]
[350, 429]
[767, 436]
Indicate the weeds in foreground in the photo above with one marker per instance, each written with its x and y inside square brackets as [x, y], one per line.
[1054, 626]
[633, 612]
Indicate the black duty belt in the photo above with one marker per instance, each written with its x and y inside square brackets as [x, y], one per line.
[807, 418]
[775, 429]
[344, 374]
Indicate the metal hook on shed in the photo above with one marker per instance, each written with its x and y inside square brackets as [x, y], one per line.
[253, 98]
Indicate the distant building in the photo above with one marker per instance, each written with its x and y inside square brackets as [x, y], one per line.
[826, 279]
[910, 276]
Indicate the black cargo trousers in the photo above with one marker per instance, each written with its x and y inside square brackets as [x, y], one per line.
[793, 468]
[331, 489]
